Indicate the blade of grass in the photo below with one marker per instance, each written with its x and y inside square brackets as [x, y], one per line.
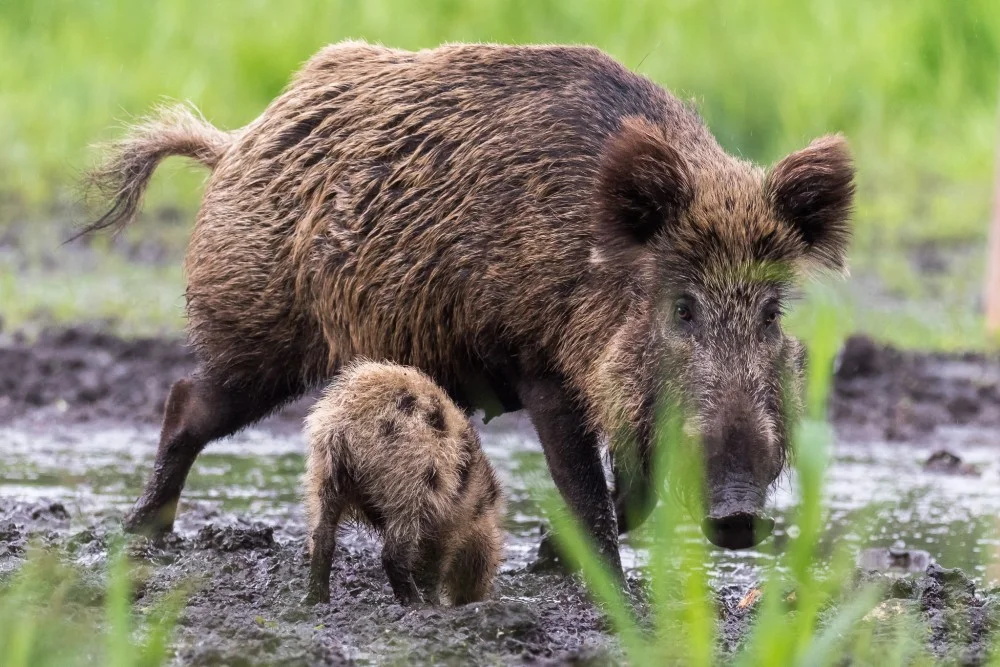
[822, 648]
[118, 609]
[162, 623]
[573, 539]
[676, 560]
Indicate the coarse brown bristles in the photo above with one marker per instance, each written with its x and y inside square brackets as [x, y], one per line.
[129, 163]
[534, 227]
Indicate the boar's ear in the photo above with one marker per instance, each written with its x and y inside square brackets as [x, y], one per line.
[643, 184]
[812, 190]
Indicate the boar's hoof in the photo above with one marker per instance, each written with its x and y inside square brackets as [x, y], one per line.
[549, 560]
[152, 522]
[740, 530]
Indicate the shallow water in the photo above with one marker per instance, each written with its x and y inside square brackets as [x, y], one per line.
[878, 493]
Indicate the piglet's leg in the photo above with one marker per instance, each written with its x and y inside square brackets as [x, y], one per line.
[429, 570]
[398, 556]
[474, 565]
[324, 542]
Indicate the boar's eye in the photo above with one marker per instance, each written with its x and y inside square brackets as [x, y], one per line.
[772, 311]
[683, 310]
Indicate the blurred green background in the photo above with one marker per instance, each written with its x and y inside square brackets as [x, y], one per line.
[912, 83]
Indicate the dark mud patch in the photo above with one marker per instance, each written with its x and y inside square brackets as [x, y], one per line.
[952, 619]
[235, 538]
[959, 618]
[83, 373]
[949, 463]
[885, 393]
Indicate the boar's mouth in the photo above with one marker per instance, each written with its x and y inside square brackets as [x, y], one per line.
[736, 519]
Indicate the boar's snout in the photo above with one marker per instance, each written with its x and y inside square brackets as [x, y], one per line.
[736, 519]
[744, 455]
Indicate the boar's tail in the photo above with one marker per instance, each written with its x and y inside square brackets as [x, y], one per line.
[123, 177]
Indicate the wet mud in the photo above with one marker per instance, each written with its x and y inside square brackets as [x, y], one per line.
[83, 373]
[79, 409]
[247, 579]
[960, 617]
[880, 391]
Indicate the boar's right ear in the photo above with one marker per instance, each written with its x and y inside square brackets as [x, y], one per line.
[643, 184]
[812, 190]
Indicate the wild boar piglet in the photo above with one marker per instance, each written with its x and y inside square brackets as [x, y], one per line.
[389, 449]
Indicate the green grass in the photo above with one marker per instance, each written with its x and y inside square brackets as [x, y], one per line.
[134, 299]
[54, 614]
[913, 84]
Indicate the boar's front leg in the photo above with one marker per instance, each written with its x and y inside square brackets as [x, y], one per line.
[573, 455]
[635, 495]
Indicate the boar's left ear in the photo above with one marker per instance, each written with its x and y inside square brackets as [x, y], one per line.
[812, 190]
[643, 184]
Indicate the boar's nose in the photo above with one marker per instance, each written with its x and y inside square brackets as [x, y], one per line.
[735, 517]
[738, 530]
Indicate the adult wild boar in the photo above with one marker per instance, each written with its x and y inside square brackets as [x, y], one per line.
[533, 225]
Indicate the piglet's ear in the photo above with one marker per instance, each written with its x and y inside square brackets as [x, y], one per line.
[643, 184]
[812, 191]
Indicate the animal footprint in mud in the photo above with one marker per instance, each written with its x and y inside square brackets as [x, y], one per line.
[388, 448]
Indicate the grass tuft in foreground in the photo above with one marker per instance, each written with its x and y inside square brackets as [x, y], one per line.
[52, 613]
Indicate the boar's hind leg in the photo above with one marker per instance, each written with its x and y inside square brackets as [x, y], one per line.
[573, 455]
[199, 410]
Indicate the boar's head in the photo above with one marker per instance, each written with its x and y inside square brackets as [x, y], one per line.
[714, 246]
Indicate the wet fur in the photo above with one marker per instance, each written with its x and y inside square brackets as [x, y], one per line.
[514, 221]
[388, 449]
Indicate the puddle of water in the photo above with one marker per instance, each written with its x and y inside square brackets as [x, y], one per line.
[877, 493]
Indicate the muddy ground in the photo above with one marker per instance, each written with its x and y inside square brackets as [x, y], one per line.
[86, 404]
[906, 396]
[83, 374]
